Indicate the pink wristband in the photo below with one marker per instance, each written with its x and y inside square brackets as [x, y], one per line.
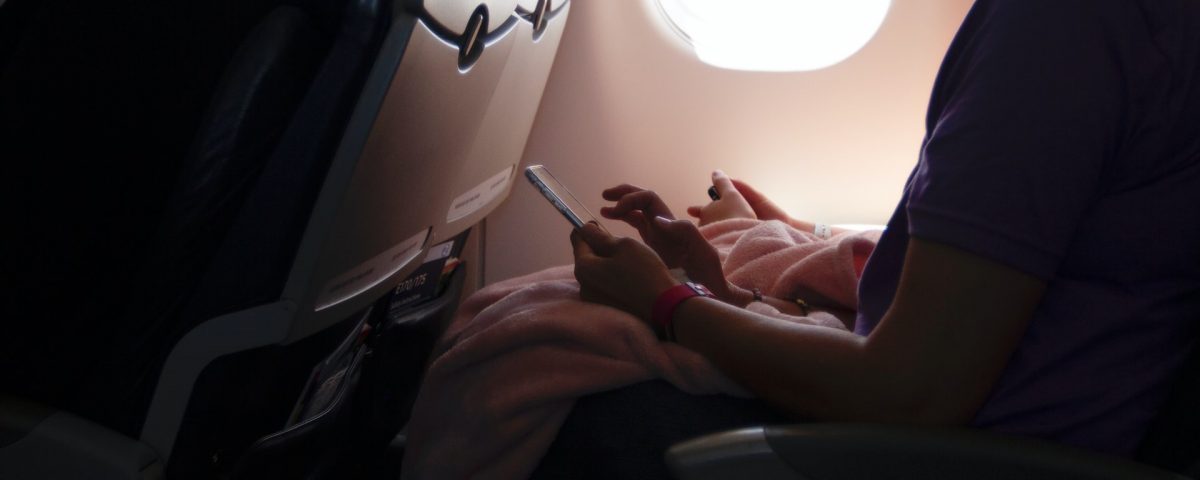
[664, 307]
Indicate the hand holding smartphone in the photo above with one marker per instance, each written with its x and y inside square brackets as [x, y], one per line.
[560, 197]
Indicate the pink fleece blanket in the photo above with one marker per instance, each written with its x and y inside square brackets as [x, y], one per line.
[518, 353]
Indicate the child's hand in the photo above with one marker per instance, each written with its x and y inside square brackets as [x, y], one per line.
[731, 203]
[763, 207]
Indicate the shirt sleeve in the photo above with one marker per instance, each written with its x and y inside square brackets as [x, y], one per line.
[1027, 111]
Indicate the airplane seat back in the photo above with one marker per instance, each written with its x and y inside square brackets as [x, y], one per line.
[430, 149]
[336, 153]
[99, 104]
[254, 101]
[1173, 440]
[164, 147]
[429, 156]
[232, 227]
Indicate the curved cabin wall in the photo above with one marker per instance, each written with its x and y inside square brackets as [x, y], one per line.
[628, 101]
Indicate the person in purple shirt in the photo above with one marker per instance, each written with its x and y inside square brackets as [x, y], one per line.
[1040, 275]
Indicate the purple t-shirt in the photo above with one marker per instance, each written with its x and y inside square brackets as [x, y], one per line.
[1063, 140]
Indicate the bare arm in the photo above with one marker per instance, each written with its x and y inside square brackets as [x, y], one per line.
[933, 358]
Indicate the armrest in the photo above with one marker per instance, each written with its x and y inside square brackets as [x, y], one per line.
[848, 451]
[37, 442]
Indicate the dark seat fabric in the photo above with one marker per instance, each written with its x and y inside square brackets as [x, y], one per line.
[99, 103]
[624, 433]
[166, 156]
[1173, 440]
[242, 397]
[251, 108]
[829, 450]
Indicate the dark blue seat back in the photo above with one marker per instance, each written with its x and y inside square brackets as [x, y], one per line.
[167, 158]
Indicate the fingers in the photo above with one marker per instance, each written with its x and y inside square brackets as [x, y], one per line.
[677, 229]
[638, 221]
[699, 213]
[763, 207]
[644, 200]
[682, 235]
[615, 193]
[723, 183]
[638, 218]
[585, 260]
[667, 225]
[599, 242]
[749, 193]
[590, 241]
[580, 247]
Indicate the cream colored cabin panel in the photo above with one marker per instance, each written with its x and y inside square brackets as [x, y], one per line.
[628, 101]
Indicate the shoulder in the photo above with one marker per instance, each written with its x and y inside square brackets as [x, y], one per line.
[1065, 18]
[1096, 44]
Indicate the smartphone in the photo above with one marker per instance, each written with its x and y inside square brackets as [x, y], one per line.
[559, 196]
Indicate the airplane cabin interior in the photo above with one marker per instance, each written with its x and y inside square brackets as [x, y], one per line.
[242, 230]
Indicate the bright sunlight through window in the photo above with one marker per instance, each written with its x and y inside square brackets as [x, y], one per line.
[775, 35]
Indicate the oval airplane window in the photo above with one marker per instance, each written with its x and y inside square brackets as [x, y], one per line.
[775, 35]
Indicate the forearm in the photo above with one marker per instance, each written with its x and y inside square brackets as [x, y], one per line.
[933, 357]
[807, 371]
